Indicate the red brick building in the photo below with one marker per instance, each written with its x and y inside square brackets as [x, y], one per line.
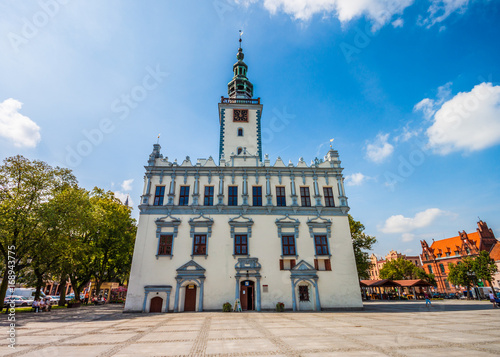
[440, 253]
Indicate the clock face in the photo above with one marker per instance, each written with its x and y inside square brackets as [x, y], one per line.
[240, 115]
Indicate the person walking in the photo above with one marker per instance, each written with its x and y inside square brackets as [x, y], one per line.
[427, 300]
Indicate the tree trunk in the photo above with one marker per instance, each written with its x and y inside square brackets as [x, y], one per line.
[62, 291]
[98, 284]
[39, 283]
[3, 287]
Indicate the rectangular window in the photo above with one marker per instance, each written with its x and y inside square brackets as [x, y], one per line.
[441, 267]
[323, 264]
[447, 254]
[240, 244]
[427, 257]
[328, 193]
[287, 264]
[288, 243]
[280, 196]
[159, 194]
[303, 293]
[305, 198]
[232, 196]
[257, 195]
[430, 269]
[200, 244]
[209, 196]
[184, 196]
[165, 247]
[321, 245]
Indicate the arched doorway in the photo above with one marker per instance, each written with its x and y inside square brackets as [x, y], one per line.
[156, 304]
[247, 295]
[190, 298]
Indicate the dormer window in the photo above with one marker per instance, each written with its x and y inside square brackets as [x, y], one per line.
[447, 254]
[439, 255]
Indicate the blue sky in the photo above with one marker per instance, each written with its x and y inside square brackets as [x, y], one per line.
[409, 90]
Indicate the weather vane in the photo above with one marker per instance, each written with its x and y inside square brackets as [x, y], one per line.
[241, 34]
[331, 141]
[158, 141]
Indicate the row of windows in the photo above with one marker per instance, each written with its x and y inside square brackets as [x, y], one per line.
[457, 253]
[241, 245]
[208, 200]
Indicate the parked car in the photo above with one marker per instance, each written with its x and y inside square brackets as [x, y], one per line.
[18, 301]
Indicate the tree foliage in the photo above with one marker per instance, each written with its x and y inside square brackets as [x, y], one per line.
[401, 269]
[60, 230]
[361, 243]
[484, 267]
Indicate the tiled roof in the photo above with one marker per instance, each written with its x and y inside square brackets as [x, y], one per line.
[495, 252]
[453, 243]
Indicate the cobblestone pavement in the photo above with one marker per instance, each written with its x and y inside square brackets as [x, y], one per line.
[449, 328]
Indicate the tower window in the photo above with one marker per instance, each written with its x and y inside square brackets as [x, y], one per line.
[240, 150]
[240, 131]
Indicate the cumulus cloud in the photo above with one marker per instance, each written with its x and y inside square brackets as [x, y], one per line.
[17, 128]
[379, 11]
[356, 179]
[470, 121]
[127, 185]
[380, 149]
[429, 106]
[402, 224]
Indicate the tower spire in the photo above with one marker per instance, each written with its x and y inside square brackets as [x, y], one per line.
[240, 86]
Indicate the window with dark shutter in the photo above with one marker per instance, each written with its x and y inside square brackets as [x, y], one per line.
[316, 265]
[282, 265]
[159, 195]
[328, 264]
[328, 193]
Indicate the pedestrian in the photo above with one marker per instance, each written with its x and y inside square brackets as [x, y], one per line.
[492, 300]
[36, 305]
[427, 300]
[42, 305]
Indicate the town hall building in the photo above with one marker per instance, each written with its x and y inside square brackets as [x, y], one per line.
[243, 228]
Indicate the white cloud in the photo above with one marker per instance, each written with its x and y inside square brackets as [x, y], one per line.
[127, 185]
[123, 197]
[429, 106]
[379, 11]
[356, 179]
[407, 134]
[470, 121]
[19, 129]
[398, 23]
[401, 224]
[441, 9]
[380, 149]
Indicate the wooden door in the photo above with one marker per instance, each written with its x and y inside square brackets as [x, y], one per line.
[190, 298]
[247, 295]
[156, 304]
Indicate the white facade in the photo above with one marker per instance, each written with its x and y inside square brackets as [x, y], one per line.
[244, 229]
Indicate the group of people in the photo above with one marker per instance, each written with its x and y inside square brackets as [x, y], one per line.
[41, 305]
[495, 300]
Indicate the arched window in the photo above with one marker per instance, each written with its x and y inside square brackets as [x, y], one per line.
[240, 150]
[240, 131]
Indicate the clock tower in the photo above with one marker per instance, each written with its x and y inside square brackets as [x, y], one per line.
[240, 119]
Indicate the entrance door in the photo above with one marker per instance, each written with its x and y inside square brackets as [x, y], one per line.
[190, 298]
[156, 304]
[247, 295]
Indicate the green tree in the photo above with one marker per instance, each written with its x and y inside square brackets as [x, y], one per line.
[112, 239]
[484, 267]
[398, 269]
[421, 274]
[462, 273]
[24, 186]
[361, 243]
